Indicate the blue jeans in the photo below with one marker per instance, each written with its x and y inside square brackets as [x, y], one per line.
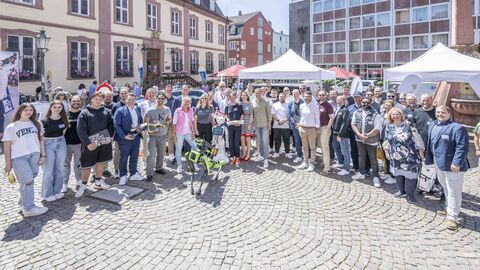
[129, 150]
[298, 142]
[54, 167]
[337, 149]
[179, 146]
[345, 148]
[26, 169]
[262, 138]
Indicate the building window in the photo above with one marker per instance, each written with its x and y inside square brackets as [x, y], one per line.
[340, 25]
[193, 27]
[193, 62]
[177, 61]
[260, 59]
[354, 46]
[420, 42]
[368, 1]
[420, 14]
[443, 38]
[383, 44]
[212, 5]
[25, 46]
[317, 7]
[339, 4]
[29, 2]
[328, 26]
[340, 47]
[175, 21]
[402, 43]
[121, 11]
[231, 45]
[244, 45]
[402, 16]
[368, 21]
[327, 5]
[221, 61]
[208, 31]
[317, 28]
[231, 62]
[243, 62]
[252, 31]
[221, 34]
[123, 61]
[152, 16]
[383, 19]
[328, 48]
[260, 22]
[355, 23]
[355, 2]
[440, 12]
[317, 48]
[80, 60]
[260, 34]
[369, 45]
[80, 7]
[209, 64]
[260, 47]
[268, 48]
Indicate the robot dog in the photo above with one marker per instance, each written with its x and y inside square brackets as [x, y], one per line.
[219, 133]
[205, 156]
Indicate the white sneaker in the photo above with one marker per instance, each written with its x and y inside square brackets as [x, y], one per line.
[259, 159]
[79, 182]
[289, 156]
[115, 174]
[170, 157]
[123, 180]
[100, 184]
[337, 165]
[384, 176]
[302, 166]
[179, 169]
[64, 188]
[50, 198]
[265, 163]
[59, 196]
[297, 159]
[196, 167]
[35, 211]
[343, 172]
[80, 190]
[275, 155]
[136, 177]
[311, 168]
[390, 181]
[376, 182]
[358, 176]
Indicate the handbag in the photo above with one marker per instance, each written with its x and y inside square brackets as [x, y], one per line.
[379, 153]
[426, 177]
[7, 103]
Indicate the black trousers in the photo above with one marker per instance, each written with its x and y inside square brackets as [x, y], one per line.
[234, 134]
[367, 152]
[279, 135]
[205, 132]
[406, 186]
[354, 155]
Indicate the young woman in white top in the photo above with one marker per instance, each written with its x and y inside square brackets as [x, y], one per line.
[24, 152]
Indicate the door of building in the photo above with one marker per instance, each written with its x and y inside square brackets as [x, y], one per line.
[153, 65]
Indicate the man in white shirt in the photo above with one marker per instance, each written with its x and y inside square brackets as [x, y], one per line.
[281, 128]
[220, 94]
[308, 127]
[149, 103]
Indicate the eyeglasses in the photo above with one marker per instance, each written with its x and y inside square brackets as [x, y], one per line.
[391, 96]
[161, 98]
[222, 86]
[203, 98]
[320, 95]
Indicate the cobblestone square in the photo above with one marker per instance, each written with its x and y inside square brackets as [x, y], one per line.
[281, 218]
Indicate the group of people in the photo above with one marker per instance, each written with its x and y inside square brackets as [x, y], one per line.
[353, 133]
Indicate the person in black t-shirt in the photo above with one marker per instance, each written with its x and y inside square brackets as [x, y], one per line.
[55, 125]
[234, 111]
[74, 145]
[424, 115]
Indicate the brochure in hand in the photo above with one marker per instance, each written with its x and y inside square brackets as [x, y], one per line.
[101, 138]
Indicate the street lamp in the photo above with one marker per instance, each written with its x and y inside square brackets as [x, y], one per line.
[42, 44]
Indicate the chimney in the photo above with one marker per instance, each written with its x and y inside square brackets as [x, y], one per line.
[270, 23]
[239, 13]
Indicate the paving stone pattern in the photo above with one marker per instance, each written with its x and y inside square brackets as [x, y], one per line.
[250, 219]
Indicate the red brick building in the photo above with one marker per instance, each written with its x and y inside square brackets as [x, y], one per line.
[250, 39]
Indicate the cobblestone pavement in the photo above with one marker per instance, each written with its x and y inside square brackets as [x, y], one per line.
[275, 219]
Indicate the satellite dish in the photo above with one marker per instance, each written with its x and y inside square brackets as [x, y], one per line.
[474, 82]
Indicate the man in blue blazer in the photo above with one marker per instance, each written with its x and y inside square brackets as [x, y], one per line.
[126, 120]
[293, 119]
[447, 148]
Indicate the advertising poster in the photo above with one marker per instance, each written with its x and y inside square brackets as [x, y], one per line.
[9, 98]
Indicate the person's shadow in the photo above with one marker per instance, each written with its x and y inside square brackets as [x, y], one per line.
[213, 193]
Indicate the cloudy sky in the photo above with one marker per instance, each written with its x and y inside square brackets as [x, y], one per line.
[273, 10]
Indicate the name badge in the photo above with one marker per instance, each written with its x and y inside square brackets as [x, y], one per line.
[235, 109]
[61, 126]
[445, 137]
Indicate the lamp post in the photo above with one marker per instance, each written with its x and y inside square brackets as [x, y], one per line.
[42, 42]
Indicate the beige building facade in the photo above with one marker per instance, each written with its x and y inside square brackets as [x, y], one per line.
[110, 39]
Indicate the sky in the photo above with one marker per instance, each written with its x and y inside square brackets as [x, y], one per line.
[273, 10]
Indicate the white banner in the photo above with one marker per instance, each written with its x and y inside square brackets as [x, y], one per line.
[411, 84]
[356, 85]
[8, 89]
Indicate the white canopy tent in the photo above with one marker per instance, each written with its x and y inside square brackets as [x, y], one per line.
[440, 63]
[289, 66]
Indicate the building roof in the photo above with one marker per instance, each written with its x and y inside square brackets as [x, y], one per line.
[205, 5]
[243, 18]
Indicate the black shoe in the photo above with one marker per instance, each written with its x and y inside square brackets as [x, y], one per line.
[107, 173]
[411, 199]
[149, 178]
[161, 171]
[174, 161]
